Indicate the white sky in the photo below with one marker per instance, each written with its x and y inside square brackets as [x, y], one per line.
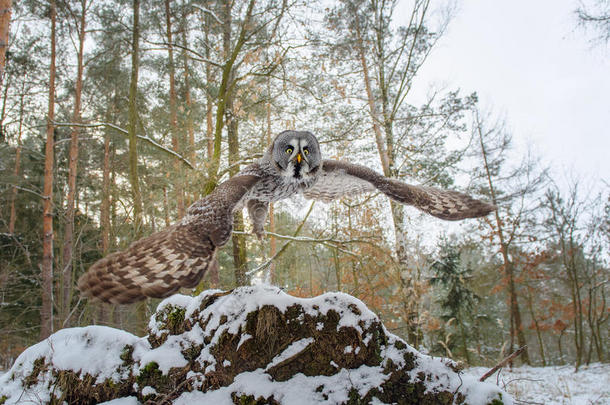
[530, 63]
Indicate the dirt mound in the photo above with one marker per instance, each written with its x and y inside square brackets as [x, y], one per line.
[253, 345]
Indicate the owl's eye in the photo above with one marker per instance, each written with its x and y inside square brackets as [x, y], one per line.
[306, 151]
[289, 150]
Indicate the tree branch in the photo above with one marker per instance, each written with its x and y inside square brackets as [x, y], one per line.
[502, 363]
[208, 11]
[124, 132]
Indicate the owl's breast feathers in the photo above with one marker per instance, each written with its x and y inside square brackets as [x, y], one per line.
[272, 185]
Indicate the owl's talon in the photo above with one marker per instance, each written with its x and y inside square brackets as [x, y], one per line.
[260, 234]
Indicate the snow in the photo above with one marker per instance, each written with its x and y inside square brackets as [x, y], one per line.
[299, 390]
[292, 350]
[94, 350]
[122, 401]
[97, 351]
[558, 385]
[148, 391]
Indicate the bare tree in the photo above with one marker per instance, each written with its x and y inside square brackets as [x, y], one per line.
[46, 311]
[595, 16]
[68, 243]
[388, 61]
[578, 246]
[133, 122]
[173, 112]
[512, 190]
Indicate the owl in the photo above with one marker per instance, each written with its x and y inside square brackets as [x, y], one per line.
[178, 256]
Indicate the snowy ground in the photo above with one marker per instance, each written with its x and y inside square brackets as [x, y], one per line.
[554, 385]
[540, 385]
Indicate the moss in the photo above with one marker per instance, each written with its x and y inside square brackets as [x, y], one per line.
[244, 399]
[354, 398]
[175, 320]
[3, 399]
[191, 353]
[151, 375]
[400, 345]
[497, 401]
[127, 354]
[171, 320]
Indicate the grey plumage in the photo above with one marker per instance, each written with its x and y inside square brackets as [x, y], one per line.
[179, 256]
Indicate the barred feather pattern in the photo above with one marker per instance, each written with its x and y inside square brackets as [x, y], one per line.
[339, 179]
[178, 256]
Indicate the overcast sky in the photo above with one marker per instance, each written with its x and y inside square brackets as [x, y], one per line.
[530, 63]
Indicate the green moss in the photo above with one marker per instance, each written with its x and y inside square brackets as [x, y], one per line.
[150, 375]
[175, 320]
[3, 399]
[127, 354]
[354, 398]
[244, 399]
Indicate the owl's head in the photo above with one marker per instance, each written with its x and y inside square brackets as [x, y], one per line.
[296, 154]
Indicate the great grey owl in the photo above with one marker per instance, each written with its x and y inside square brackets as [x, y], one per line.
[178, 256]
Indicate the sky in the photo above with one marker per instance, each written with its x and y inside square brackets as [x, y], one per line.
[530, 63]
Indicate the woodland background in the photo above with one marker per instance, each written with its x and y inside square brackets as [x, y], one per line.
[116, 115]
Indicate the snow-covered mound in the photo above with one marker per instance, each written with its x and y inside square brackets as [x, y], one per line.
[252, 345]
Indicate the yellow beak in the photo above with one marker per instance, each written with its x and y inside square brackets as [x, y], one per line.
[299, 157]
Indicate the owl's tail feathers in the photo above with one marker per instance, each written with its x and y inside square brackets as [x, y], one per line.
[443, 204]
[152, 267]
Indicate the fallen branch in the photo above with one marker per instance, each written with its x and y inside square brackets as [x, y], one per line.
[502, 363]
[124, 132]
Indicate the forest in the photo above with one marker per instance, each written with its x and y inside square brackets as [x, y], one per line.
[116, 115]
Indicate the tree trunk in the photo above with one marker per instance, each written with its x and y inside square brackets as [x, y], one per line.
[103, 309]
[190, 126]
[106, 192]
[516, 326]
[133, 120]
[3, 112]
[530, 304]
[46, 310]
[173, 114]
[227, 86]
[208, 97]
[13, 217]
[383, 155]
[5, 23]
[272, 240]
[68, 247]
[386, 159]
[239, 240]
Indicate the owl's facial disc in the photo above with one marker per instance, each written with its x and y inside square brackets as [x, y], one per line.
[299, 164]
[297, 155]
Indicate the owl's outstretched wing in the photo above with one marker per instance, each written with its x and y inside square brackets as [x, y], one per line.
[339, 179]
[178, 256]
